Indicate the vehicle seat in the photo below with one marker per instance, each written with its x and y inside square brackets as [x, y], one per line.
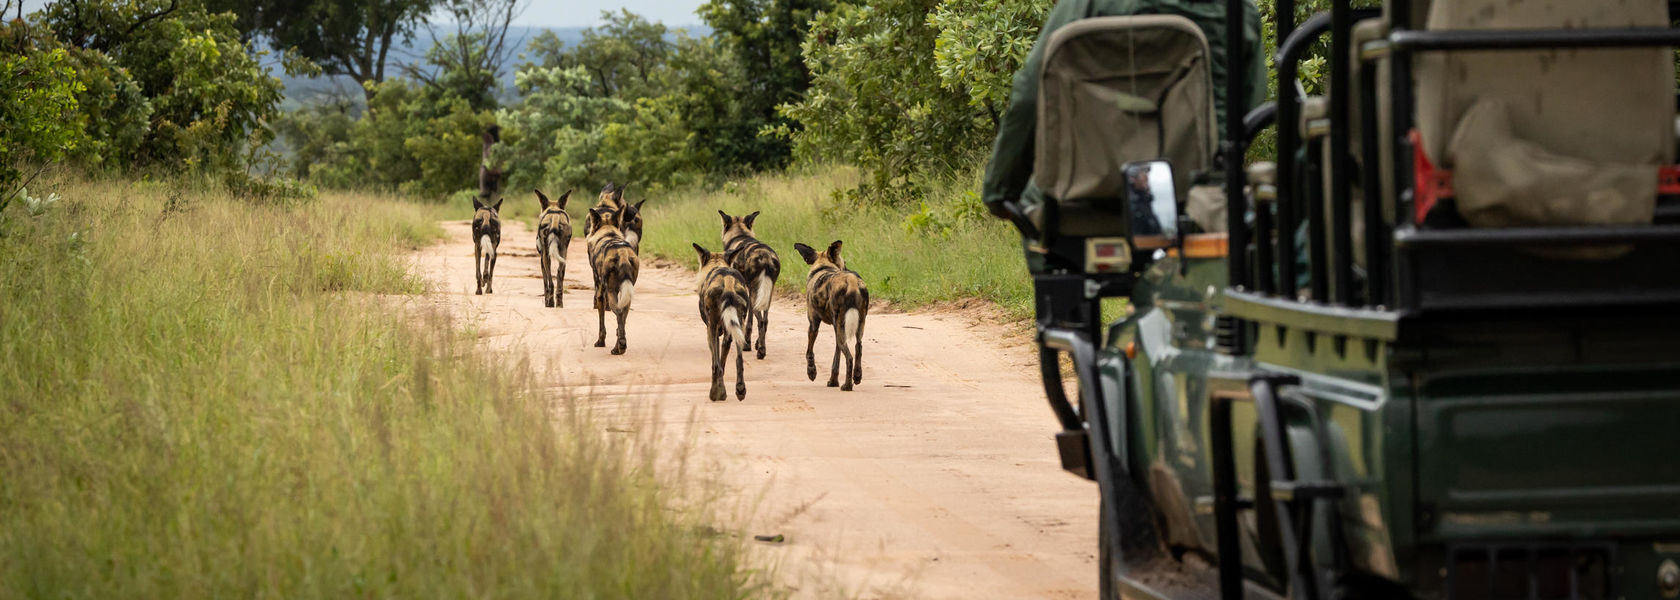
[1548, 137]
[1117, 90]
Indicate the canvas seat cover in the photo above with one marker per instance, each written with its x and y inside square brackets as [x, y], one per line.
[1555, 137]
[1115, 90]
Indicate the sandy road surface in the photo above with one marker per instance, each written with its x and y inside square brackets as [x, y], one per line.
[937, 478]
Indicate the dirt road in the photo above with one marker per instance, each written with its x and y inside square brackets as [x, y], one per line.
[937, 478]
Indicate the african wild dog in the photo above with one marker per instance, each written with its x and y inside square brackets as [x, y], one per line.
[835, 294]
[613, 196]
[758, 263]
[489, 171]
[723, 300]
[487, 218]
[487, 236]
[613, 261]
[554, 235]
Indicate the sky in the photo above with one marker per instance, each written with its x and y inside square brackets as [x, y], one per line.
[574, 13]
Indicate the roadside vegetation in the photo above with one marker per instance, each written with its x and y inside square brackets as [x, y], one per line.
[946, 249]
[205, 397]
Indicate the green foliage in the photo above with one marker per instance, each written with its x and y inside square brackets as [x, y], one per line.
[876, 99]
[981, 44]
[168, 86]
[626, 105]
[947, 251]
[764, 40]
[38, 115]
[409, 140]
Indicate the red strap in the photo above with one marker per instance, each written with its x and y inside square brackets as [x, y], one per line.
[1430, 184]
[1668, 180]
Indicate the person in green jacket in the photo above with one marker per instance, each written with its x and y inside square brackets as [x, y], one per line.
[1009, 176]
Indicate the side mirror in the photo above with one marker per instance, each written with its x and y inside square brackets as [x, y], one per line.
[1152, 204]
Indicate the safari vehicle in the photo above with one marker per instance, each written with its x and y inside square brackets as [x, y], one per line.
[1432, 349]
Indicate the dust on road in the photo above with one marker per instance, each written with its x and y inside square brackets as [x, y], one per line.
[937, 478]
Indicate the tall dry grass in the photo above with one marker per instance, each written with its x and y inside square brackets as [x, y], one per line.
[202, 398]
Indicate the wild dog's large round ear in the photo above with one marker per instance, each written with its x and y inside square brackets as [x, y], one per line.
[541, 199]
[705, 255]
[618, 194]
[563, 198]
[752, 217]
[607, 189]
[726, 219]
[478, 202]
[498, 205]
[834, 253]
[806, 252]
[639, 205]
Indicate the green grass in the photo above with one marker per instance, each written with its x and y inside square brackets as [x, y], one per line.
[201, 398]
[946, 249]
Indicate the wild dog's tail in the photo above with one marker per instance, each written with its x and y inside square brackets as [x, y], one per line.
[761, 299]
[626, 292]
[732, 324]
[850, 329]
[554, 253]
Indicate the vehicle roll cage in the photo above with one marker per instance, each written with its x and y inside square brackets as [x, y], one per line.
[1069, 303]
[1394, 254]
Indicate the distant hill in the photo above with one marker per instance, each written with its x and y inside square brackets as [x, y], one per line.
[302, 90]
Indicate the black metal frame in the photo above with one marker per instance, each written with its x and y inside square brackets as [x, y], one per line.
[1069, 301]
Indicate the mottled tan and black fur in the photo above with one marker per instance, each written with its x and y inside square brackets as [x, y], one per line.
[612, 196]
[836, 295]
[554, 235]
[487, 237]
[759, 264]
[613, 261]
[724, 299]
[489, 171]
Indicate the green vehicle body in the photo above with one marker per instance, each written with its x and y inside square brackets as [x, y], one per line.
[1493, 434]
[1497, 423]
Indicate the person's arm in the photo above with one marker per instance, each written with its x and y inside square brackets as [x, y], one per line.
[1012, 152]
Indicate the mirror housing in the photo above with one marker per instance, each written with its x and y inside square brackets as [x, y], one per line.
[1152, 204]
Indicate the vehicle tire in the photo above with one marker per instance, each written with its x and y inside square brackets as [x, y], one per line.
[1108, 542]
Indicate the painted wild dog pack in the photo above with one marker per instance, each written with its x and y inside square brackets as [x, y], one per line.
[759, 264]
[734, 287]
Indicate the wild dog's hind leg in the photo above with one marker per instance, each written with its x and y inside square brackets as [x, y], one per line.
[839, 344]
[740, 381]
[490, 273]
[601, 315]
[478, 269]
[810, 354]
[622, 313]
[763, 324]
[842, 348]
[857, 357]
[560, 283]
[548, 287]
[712, 335]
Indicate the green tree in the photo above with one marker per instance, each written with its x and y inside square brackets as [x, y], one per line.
[38, 121]
[468, 62]
[210, 97]
[876, 100]
[764, 38]
[981, 44]
[351, 38]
